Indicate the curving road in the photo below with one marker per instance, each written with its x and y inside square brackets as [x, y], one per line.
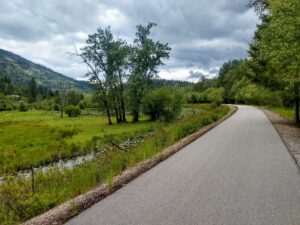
[239, 173]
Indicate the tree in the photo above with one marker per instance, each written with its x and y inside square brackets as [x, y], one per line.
[236, 71]
[107, 60]
[118, 77]
[6, 87]
[73, 98]
[33, 89]
[146, 56]
[225, 68]
[278, 45]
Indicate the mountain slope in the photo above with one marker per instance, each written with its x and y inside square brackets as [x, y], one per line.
[21, 71]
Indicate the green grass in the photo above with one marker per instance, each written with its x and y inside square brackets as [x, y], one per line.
[19, 203]
[36, 137]
[287, 113]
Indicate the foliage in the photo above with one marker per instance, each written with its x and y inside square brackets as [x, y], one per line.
[225, 68]
[6, 103]
[23, 107]
[33, 89]
[107, 60]
[237, 83]
[252, 94]
[205, 83]
[6, 87]
[275, 50]
[163, 105]
[145, 57]
[72, 110]
[73, 97]
[215, 95]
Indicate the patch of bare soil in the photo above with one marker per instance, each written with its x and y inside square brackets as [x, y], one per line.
[288, 131]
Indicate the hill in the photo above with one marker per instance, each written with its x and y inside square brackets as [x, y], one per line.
[20, 71]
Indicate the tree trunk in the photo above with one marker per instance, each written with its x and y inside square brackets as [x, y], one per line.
[119, 109]
[297, 104]
[135, 116]
[61, 111]
[118, 118]
[107, 111]
[123, 110]
[63, 103]
[122, 102]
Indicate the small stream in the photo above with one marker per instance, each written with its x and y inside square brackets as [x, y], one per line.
[73, 162]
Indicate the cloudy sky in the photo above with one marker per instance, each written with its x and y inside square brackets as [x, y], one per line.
[203, 34]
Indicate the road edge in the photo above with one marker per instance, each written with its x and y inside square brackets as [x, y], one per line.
[66, 211]
[288, 142]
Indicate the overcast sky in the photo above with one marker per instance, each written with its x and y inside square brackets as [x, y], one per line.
[203, 34]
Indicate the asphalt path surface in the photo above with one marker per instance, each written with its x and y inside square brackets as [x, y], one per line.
[239, 173]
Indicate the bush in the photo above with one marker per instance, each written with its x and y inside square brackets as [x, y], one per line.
[215, 95]
[23, 107]
[6, 104]
[72, 110]
[253, 94]
[160, 104]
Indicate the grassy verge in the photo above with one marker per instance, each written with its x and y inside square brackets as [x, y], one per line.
[287, 113]
[18, 201]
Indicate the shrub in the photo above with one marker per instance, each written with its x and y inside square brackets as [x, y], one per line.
[5, 103]
[215, 95]
[23, 107]
[253, 94]
[72, 111]
[160, 104]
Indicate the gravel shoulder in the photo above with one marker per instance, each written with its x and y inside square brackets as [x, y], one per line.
[289, 133]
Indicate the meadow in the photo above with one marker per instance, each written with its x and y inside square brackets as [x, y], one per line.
[35, 138]
[21, 198]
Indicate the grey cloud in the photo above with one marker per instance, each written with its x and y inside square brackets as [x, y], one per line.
[195, 75]
[203, 34]
[213, 70]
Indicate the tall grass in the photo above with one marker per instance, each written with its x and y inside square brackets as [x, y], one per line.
[19, 203]
[35, 138]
